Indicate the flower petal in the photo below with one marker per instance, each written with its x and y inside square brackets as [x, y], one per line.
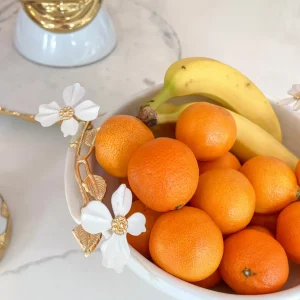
[73, 93]
[295, 89]
[87, 110]
[121, 200]
[115, 252]
[296, 106]
[286, 101]
[69, 127]
[136, 224]
[48, 114]
[95, 217]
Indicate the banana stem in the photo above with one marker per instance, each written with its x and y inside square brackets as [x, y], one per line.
[172, 117]
[147, 111]
[162, 96]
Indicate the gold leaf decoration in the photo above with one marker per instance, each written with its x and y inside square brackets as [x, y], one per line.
[90, 137]
[96, 186]
[88, 242]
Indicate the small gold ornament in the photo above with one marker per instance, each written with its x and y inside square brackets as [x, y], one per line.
[66, 113]
[119, 225]
[297, 96]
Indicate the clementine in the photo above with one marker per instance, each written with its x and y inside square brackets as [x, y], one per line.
[297, 172]
[117, 140]
[210, 281]
[288, 231]
[209, 130]
[254, 263]
[163, 173]
[274, 182]
[141, 242]
[227, 196]
[261, 229]
[187, 244]
[228, 160]
[268, 221]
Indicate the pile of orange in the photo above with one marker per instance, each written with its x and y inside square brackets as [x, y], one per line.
[208, 218]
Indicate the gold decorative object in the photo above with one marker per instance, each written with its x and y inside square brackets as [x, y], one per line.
[4, 236]
[62, 16]
[92, 187]
[26, 117]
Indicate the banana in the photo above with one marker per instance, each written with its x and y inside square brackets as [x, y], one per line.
[220, 82]
[251, 139]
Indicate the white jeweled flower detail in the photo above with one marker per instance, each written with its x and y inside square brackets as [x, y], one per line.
[96, 218]
[51, 113]
[295, 93]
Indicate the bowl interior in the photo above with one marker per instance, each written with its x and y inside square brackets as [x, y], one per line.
[291, 130]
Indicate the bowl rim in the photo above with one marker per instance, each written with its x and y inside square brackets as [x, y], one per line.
[151, 273]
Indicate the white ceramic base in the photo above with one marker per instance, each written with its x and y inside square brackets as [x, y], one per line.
[85, 46]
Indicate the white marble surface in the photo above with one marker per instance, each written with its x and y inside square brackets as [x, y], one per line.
[259, 37]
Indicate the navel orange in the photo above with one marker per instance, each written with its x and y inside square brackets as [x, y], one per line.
[254, 263]
[288, 231]
[209, 130]
[187, 244]
[227, 196]
[163, 173]
[274, 182]
[228, 160]
[117, 140]
[141, 242]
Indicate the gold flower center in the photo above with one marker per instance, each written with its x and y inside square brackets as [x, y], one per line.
[119, 225]
[66, 113]
[297, 96]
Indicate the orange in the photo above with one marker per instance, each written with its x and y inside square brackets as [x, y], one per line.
[268, 221]
[297, 171]
[118, 138]
[209, 130]
[187, 244]
[141, 242]
[163, 173]
[210, 281]
[254, 263]
[261, 229]
[274, 182]
[288, 231]
[228, 160]
[227, 196]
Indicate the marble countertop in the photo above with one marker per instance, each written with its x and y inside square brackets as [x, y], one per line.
[259, 37]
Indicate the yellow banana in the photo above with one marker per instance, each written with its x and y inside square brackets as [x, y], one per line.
[220, 82]
[251, 140]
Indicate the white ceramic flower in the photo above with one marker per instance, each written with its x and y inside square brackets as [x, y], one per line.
[96, 218]
[295, 92]
[51, 113]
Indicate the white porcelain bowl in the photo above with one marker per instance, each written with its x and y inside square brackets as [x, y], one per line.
[152, 274]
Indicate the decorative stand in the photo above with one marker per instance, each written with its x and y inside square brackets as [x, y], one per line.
[63, 38]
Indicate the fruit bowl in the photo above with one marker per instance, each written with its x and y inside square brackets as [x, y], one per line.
[145, 269]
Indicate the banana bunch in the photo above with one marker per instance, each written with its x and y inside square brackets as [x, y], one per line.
[258, 129]
[223, 84]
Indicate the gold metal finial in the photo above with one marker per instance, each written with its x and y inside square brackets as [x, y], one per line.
[119, 225]
[66, 113]
[62, 15]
